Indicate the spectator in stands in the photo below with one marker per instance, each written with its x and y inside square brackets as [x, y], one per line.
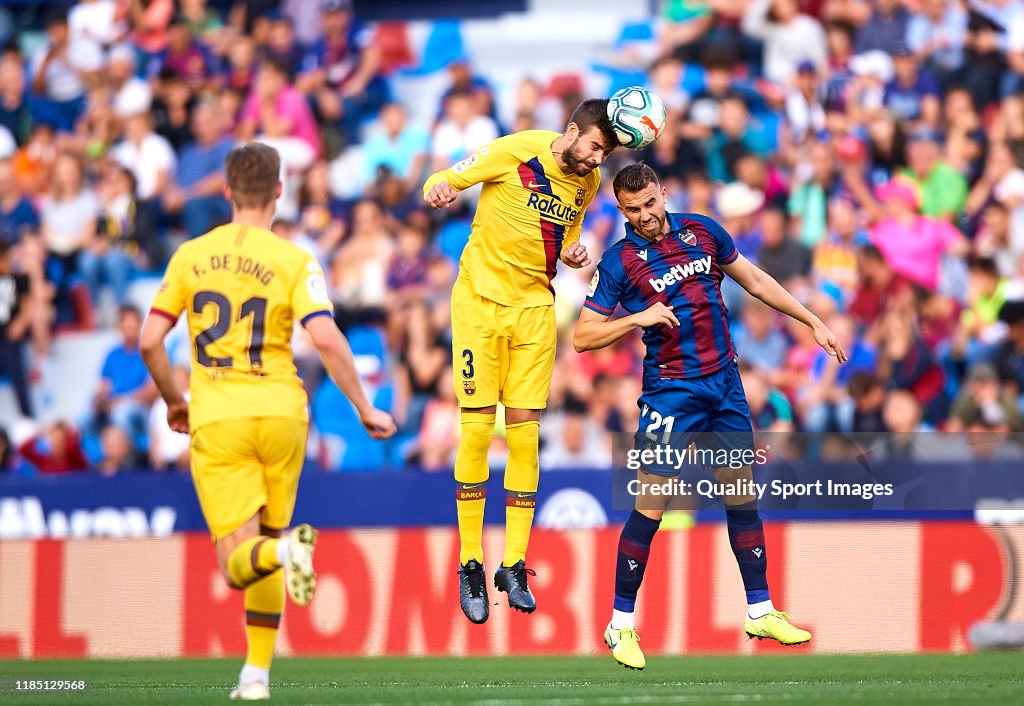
[341, 71]
[868, 395]
[979, 321]
[965, 136]
[204, 24]
[912, 95]
[17, 215]
[278, 115]
[805, 111]
[57, 85]
[168, 449]
[943, 189]
[835, 257]
[125, 237]
[186, 58]
[770, 411]
[358, 272]
[240, 72]
[57, 449]
[197, 190]
[283, 47]
[907, 363]
[574, 440]
[321, 213]
[438, 438]
[789, 37]
[461, 133]
[464, 80]
[885, 30]
[783, 257]
[68, 219]
[6, 452]
[172, 106]
[1009, 357]
[735, 136]
[15, 319]
[1002, 181]
[759, 341]
[423, 357]
[150, 20]
[15, 114]
[982, 399]
[994, 239]
[936, 35]
[125, 391]
[149, 156]
[117, 452]
[825, 400]
[912, 243]
[396, 145]
[902, 416]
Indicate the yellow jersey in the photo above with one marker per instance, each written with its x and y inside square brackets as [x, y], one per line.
[242, 288]
[529, 210]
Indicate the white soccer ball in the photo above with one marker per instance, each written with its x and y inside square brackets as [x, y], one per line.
[637, 115]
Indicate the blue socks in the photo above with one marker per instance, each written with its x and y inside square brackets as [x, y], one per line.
[746, 536]
[634, 549]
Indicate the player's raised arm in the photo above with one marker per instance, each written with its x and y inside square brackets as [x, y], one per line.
[486, 164]
[764, 287]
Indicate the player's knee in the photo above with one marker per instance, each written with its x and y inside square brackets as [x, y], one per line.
[523, 438]
[471, 460]
[226, 574]
[651, 513]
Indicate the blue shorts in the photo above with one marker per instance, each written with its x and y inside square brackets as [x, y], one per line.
[709, 412]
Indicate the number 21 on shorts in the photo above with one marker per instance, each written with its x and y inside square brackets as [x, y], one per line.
[657, 421]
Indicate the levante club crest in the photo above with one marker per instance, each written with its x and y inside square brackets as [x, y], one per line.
[688, 237]
[469, 387]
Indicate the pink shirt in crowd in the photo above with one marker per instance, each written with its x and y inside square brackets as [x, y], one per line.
[915, 249]
[291, 106]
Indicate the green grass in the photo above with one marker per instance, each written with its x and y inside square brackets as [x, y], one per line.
[797, 679]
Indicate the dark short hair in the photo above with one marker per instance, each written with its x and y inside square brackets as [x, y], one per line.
[594, 113]
[253, 171]
[634, 178]
[871, 252]
[129, 310]
[275, 63]
[984, 265]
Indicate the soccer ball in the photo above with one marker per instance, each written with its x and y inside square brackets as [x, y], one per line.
[637, 115]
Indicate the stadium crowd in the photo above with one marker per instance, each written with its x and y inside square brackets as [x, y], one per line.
[866, 153]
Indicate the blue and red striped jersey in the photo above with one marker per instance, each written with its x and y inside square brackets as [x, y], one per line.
[682, 270]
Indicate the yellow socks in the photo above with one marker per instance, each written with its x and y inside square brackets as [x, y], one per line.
[253, 559]
[521, 476]
[264, 602]
[471, 473]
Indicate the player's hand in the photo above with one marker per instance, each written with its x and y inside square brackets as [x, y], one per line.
[828, 341]
[656, 314]
[576, 255]
[177, 417]
[441, 195]
[379, 424]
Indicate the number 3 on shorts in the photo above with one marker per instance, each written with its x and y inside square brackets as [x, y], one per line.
[468, 371]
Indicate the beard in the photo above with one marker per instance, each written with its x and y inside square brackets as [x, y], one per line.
[573, 160]
[652, 227]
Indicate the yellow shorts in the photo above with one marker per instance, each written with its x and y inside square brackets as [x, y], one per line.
[501, 352]
[240, 466]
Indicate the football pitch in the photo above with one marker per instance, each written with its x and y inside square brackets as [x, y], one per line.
[990, 678]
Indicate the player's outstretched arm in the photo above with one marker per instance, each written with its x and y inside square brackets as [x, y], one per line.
[337, 359]
[151, 346]
[764, 287]
[594, 330]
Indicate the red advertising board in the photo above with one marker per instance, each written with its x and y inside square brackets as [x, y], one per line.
[393, 592]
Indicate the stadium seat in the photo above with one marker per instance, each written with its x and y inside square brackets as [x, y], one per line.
[443, 46]
[395, 47]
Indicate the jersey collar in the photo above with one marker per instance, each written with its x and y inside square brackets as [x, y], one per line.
[675, 224]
